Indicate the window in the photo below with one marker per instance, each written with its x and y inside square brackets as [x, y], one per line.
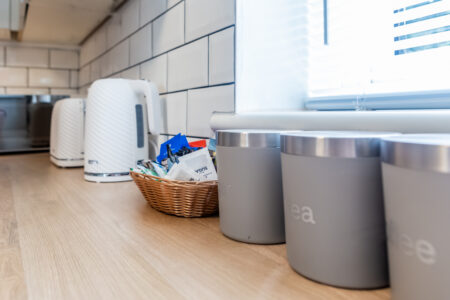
[378, 54]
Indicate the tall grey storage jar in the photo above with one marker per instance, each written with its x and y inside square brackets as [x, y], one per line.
[250, 189]
[416, 179]
[335, 227]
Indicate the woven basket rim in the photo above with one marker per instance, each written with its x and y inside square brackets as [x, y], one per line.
[179, 198]
[174, 182]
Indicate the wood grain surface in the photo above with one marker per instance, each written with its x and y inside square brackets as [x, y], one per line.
[12, 281]
[64, 238]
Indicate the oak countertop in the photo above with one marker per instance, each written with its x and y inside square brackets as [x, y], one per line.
[64, 238]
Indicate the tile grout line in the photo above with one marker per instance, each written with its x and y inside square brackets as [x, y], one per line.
[234, 58]
[187, 89]
[152, 46]
[39, 68]
[188, 136]
[167, 73]
[208, 45]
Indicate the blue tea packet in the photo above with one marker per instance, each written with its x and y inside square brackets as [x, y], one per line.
[176, 144]
[212, 145]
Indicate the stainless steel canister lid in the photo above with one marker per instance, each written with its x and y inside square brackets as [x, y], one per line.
[344, 144]
[248, 138]
[427, 152]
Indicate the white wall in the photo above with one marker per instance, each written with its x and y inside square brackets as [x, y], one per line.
[271, 52]
[38, 69]
[186, 47]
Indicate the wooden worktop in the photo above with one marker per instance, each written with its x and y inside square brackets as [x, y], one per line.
[64, 238]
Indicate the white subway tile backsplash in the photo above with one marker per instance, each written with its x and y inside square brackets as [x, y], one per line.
[155, 70]
[155, 142]
[129, 18]
[202, 103]
[95, 70]
[175, 112]
[115, 76]
[49, 78]
[161, 140]
[106, 66]
[73, 79]
[122, 23]
[99, 45]
[150, 9]
[168, 30]
[171, 3]
[113, 30]
[27, 91]
[13, 77]
[26, 57]
[33, 70]
[84, 75]
[63, 59]
[132, 73]
[93, 47]
[2, 56]
[141, 45]
[120, 56]
[221, 57]
[63, 92]
[206, 16]
[83, 92]
[188, 66]
[85, 52]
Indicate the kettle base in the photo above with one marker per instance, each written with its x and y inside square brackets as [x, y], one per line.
[107, 177]
[67, 162]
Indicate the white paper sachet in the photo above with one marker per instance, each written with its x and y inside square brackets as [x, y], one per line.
[201, 163]
[159, 170]
[182, 172]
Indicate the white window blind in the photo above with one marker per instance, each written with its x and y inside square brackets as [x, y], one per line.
[375, 54]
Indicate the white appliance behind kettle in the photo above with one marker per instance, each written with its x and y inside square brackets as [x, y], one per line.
[117, 125]
[67, 133]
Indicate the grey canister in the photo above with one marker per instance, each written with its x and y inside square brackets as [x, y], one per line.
[250, 189]
[335, 227]
[416, 180]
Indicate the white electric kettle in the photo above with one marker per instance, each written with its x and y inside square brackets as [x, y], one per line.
[116, 127]
[67, 133]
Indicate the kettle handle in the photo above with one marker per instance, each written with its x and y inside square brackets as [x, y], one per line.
[154, 114]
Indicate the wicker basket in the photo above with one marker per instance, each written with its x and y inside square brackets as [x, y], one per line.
[179, 198]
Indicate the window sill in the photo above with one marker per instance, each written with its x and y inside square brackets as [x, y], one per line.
[405, 121]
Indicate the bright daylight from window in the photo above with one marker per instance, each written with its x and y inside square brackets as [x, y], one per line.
[359, 49]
